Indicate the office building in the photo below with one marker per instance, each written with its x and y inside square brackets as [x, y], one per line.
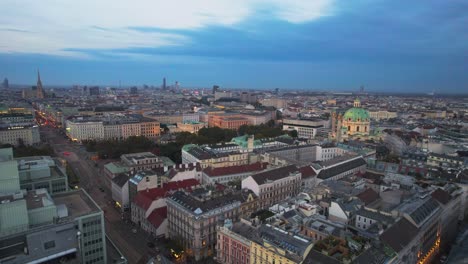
[111, 127]
[37, 227]
[306, 128]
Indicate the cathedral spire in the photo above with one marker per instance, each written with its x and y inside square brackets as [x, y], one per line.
[40, 92]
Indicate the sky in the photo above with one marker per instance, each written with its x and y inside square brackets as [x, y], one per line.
[384, 45]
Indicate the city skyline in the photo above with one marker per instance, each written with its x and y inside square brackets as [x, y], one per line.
[324, 45]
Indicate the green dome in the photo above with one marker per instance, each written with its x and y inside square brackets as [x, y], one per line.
[356, 115]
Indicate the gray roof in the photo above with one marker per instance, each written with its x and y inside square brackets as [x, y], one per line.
[273, 175]
[315, 257]
[120, 179]
[199, 206]
[375, 216]
[335, 170]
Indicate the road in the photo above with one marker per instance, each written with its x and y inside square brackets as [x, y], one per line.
[132, 245]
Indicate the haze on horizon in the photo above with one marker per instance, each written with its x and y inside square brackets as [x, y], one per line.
[322, 44]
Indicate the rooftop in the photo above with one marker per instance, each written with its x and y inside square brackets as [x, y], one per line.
[274, 174]
[340, 168]
[78, 203]
[198, 206]
[399, 235]
[222, 171]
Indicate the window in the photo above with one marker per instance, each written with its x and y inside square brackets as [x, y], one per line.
[49, 244]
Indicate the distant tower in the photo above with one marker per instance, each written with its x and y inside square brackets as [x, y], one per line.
[5, 83]
[215, 88]
[276, 91]
[164, 83]
[40, 91]
[176, 85]
[362, 89]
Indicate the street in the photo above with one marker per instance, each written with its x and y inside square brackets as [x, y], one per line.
[132, 245]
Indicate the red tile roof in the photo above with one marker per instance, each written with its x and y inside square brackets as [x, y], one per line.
[144, 198]
[307, 172]
[368, 196]
[216, 172]
[157, 217]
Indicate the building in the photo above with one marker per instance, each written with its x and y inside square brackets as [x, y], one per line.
[148, 208]
[382, 114]
[299, 155]
[192, 219]
[38, 227]
[228, 121]
[42, 172]
[445, 161]
[267, 244]
[274, 185]
[93, 91]
[247, 97]
[450, 199]
[278, 103]
[339, 167]
[114, 127]
[40, 89]
[191, 127]
[120, 191]
[416, 236]
[209, 157]
[37, 172]
[222, 94]
[355, 122]
[80, 130]
[232, 246]
[19, 134]
[317, 227]
[141, 161]
[224, 175]
[306, 128]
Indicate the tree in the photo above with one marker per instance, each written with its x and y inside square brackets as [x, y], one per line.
[293, 133]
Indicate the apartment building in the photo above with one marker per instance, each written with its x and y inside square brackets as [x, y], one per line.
[274, 185]
[193, 217]
[208, 157]
[244, 242]
[224, 175]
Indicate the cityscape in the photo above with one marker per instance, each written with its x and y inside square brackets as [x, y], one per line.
[133, 138]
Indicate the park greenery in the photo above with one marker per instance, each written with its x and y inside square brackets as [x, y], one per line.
[113, 149]
[25, 151]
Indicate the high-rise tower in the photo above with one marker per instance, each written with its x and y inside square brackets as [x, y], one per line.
[164, 83]
[40, 91]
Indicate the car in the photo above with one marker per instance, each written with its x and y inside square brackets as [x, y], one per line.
[101, 189]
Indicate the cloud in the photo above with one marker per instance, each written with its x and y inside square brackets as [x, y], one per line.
[68, 28]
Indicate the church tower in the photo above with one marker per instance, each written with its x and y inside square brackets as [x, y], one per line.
[40, 91]
[357, 103]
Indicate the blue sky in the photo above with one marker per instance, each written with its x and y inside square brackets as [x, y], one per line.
[384, 45]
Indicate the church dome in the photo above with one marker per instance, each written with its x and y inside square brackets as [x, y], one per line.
[356, 115]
